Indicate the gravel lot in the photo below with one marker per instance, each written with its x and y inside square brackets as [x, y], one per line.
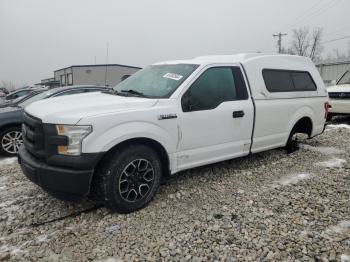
[270, 207]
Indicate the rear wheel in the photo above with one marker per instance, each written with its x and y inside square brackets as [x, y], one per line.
[10, 141]
[292, 143]
[128, 179]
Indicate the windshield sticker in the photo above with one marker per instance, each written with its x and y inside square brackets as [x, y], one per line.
[173, 76]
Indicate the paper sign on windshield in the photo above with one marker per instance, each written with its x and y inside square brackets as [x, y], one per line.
[173, 76]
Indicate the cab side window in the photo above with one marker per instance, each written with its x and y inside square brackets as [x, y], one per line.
[215, 86]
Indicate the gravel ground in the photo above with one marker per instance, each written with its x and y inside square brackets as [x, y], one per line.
[267, 207]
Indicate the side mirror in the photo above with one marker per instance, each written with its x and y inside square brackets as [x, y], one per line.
[186, 102]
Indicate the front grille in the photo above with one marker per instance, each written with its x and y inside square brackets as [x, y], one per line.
[339, 95]
[33, 135]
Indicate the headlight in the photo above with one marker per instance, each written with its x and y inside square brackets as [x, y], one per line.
[75, 135]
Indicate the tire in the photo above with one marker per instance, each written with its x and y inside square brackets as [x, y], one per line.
[10, 141]
[292, 144]
[128, 179]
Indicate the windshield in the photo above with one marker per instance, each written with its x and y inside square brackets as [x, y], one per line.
[156, 81]
[35, 98]
[345, 79]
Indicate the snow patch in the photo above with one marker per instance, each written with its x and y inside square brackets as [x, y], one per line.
[334, 162]
[293, 179]
[113, 229]
[111, 259]
[8, 161]
[340, 228]
[6, 204]
[344, 258]
[322, 149]
[339, 126]
[13, 250]
[338, 231]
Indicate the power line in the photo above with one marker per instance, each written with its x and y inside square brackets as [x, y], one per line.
[307, 16]
[301, 15]
[337, 31]
[336, 39]
[279, 41]
[320, 11]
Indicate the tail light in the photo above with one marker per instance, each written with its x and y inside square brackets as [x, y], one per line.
[326, 109]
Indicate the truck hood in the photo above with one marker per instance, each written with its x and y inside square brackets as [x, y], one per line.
[338, 88]
[72, 108]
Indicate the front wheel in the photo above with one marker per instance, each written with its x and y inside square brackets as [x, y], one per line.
[128, 179]
[10, 141]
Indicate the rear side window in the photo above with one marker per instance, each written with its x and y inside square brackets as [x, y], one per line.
[288, 81]
[303, 81]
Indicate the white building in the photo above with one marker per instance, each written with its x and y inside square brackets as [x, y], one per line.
[109, 75]
[331, 72]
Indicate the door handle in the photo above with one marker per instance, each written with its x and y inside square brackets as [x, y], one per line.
[237, 114]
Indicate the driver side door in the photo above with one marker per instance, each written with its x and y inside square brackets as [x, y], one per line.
[216, 118]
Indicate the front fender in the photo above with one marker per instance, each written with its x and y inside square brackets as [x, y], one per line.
[102, 142]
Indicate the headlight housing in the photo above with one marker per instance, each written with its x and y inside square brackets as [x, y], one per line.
[75, 135]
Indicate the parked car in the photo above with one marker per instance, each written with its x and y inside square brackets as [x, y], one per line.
[11, 117]
[4, 90]
[15, 102]
[166, 118]
[19, 93]
[339, 96]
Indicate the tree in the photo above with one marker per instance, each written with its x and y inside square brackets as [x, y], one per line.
[337, 56]
[306, 43]
[8, 85]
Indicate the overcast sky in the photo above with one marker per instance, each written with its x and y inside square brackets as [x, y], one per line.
[40, 36]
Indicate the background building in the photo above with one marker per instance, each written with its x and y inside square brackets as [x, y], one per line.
[331, 72]
[110, 74]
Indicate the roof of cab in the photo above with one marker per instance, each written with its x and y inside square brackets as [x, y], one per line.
[237, 58]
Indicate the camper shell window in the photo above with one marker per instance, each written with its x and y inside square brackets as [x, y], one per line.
[288, 81]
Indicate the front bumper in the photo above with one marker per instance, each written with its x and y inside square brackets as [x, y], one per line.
[339, 106]
[65, 183]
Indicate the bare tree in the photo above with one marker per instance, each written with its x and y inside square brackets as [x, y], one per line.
[306, 43]
[10, 86]
[300, 43]
[316, 48]
[338, 56]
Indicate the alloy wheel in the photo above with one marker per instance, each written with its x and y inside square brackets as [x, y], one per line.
[136, 180]
[11, 142]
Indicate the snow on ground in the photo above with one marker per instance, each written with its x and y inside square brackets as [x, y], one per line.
[110, 259]
[338, 231]
[331, 126]
[8, 161]
[322, 149]
[293, 179]
[344, 258]
[334, 162]
[11, 249]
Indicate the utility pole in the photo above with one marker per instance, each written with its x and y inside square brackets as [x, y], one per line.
[279, 41]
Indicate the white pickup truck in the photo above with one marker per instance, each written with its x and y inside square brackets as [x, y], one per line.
[169, 117]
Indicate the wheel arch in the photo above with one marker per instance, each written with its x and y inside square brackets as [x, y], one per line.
[303, 125]
[10, 125]
[152, 143]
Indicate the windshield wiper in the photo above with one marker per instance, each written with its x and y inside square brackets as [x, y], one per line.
[133, 92]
